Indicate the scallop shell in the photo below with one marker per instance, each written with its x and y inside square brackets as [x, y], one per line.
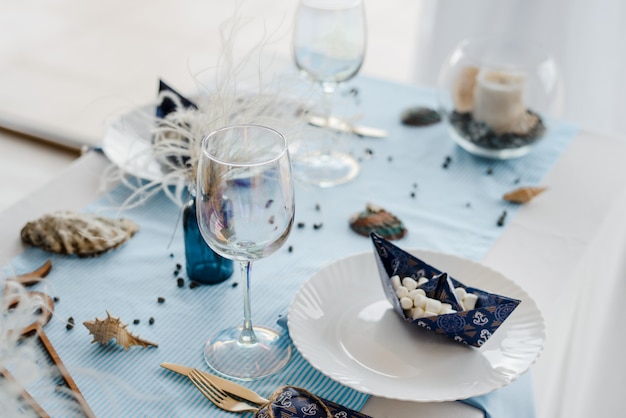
[376, 219]
[523, 194]
[104, 330]
[83, 234]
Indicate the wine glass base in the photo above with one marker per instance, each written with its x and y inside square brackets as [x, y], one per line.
[325, 169]
[225, 354]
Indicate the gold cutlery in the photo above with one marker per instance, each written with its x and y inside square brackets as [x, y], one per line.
[224, 384]
[216, 395]
[343, 126]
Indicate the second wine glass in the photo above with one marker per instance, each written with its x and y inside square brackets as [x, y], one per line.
[329, 42]
[245, 210]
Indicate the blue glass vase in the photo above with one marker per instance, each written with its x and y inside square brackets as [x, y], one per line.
[202, 263]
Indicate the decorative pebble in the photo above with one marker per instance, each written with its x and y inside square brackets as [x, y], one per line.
[420, 116]
[501, 219]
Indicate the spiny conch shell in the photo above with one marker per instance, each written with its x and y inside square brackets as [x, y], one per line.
[104, 330]
[376, 219]
[83, 234]
[523, 194]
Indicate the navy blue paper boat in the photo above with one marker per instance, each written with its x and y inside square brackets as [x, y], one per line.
[472, 327]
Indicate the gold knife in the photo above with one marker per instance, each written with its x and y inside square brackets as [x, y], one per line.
[343, 126]
[224, 384]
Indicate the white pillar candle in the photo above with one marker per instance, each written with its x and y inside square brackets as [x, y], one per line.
[499, 99]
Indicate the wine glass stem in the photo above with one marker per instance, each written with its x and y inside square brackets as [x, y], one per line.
[247, 336]
[327, 107]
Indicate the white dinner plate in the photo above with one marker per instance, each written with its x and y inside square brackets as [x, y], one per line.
[128, 143]
[342, 324]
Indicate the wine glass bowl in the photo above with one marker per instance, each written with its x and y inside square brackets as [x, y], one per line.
[329, 42]
[245, 209]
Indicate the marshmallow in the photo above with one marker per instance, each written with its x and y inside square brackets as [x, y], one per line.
[432, 305]
[417, 313]
[421, 281]
[409, 283]
[395, 281]
[406, 303]
[419, 300]
[428, 313]
[402, 292]
[460, 292]
[469, 301]
[445, 307]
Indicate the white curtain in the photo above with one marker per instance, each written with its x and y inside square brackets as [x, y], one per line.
[587, 39]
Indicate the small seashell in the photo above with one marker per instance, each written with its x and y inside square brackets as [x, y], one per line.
[523, 194]
[83, 234]
[377, 219]
[420, 116]
[104, 330]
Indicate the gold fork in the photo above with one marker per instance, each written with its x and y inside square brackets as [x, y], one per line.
[217, 395]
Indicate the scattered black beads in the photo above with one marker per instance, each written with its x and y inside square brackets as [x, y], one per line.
[136, 321]
[268, 203]
[369, 152]
[501, 218]
[70, 323]
[193, 285]
[235, 284]
[290, 248]
[55, 299]
[171, 255]
[318, 207]
[180, 282]
[390, 158]
[161, 299]
[271, 220]
[178, 266]
[489, 171]
[151, 321]
[301, 225]
[317, 226]
[413, 195]
[468, 205]
[446, 162]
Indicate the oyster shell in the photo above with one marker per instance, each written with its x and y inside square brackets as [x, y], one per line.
[376, 219]
[83, 234]
[523, 194]
[105, 330]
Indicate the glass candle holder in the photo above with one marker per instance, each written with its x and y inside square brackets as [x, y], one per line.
[497, 96]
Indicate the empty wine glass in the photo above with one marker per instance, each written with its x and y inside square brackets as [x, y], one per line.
[329, 47]
[245, 209]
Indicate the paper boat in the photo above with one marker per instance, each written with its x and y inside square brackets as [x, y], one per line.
[472, 327]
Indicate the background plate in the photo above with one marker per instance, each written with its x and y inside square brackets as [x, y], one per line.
[342, 324]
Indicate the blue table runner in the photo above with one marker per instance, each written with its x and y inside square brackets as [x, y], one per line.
[453, 209]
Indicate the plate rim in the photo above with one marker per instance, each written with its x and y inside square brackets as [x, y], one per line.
[420, 252]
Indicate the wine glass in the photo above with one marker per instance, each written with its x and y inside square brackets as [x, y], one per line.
[329, 41]
[245, 210]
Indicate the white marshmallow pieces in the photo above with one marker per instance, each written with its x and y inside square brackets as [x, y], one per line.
[417, 305]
